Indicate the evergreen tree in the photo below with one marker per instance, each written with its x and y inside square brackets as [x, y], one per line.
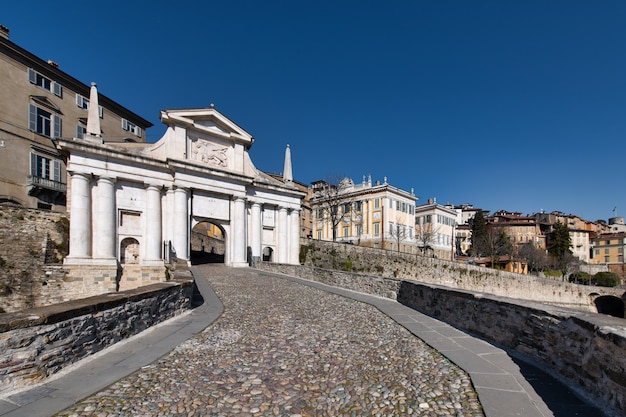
[480, 237]
[559, 243]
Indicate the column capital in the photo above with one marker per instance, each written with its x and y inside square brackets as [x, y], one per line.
[112, 180]
[149, 186]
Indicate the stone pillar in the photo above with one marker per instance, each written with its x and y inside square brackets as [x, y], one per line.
[153, 240]
[169, 222]
[282, 243]
[80, 216]
[105, 220]
[256, 226]
[181, 223]
[238, 230]
[294, 237]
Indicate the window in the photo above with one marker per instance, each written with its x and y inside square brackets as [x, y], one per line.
[376, 203]
[40, 81]
[42, 167]
[319, 235]
[81, 131]
[43, 122]
[359, 230]
[607, 259]
[128, 126]
[346, 207]
[346, 231]
[83, 103]
[376, 229]
[357, 206]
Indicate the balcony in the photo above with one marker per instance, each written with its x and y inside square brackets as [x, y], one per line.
[37, 185]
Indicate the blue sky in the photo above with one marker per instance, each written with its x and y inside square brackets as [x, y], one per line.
[513, 105]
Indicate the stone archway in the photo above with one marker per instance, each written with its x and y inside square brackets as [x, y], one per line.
[208, 243]
[267, 254]
[129, 251]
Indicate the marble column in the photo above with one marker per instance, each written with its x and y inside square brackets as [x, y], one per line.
[104, 238]
[294, 237]
[256, 226]
[153, 241]
[80, 216]
[181, 223]
[282, 243]
[238, 232]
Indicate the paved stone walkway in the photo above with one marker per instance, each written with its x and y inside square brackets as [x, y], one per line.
[284, 349]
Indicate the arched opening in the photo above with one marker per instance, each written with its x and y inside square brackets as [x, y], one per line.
[611, 305]
[267, 254]
[208, 243]
[129, 251]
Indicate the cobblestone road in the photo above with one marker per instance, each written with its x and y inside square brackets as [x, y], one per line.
[284, 349]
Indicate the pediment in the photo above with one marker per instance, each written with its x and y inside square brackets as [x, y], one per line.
[207, 121]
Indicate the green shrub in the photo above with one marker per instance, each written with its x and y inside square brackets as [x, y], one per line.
[348, 266]
[606, 279]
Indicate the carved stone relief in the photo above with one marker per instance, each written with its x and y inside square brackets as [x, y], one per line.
[204, 151]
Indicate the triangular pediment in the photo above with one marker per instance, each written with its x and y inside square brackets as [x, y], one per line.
[207, 121]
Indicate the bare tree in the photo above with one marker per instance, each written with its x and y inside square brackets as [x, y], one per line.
[333, 200]
[399, 231]
[536, 258]
[426, 234]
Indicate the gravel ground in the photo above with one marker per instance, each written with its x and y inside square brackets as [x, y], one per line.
[284, 349]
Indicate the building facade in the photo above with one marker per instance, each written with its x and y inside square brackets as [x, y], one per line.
[133, 206]
[39, 104]
[370, 214]
[435, 227]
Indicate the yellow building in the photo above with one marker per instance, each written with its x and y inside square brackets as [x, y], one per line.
[41, 103]
[374, 215]
[609, 249]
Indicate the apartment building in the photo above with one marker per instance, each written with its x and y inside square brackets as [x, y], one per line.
[39, 104]
[608, 248]
[376, 215]
[435, 227]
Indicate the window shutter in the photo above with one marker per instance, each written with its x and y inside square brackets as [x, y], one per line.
[57, 89]
[32, 76]
[32, 117]
[79, 100]
[57, 171]
[57, 127]
[79, 132]
[138, 131]
[33, 164]
[124, 124]
[100, 112]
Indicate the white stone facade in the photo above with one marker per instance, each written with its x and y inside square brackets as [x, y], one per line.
[136, 204]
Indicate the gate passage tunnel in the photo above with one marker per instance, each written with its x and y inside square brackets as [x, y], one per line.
[207, 244]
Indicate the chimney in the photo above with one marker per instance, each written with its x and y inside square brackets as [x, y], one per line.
[4, 32]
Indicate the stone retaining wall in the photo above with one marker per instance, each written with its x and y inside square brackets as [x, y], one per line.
[353, 258]
[39, 342]
[586, 350]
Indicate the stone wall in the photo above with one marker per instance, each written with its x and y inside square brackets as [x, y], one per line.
[586, 350]
[29, 240]
[32, 246]
[352, 258]
[39, 342]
